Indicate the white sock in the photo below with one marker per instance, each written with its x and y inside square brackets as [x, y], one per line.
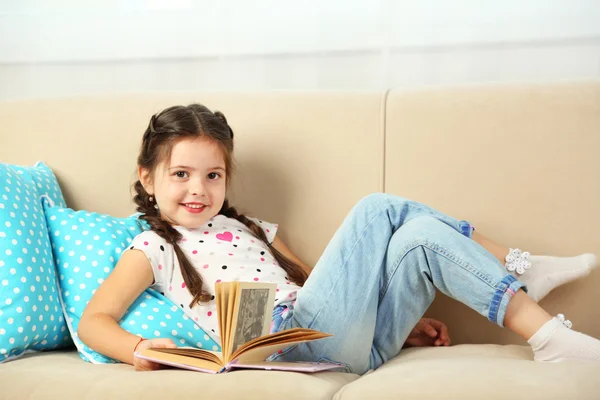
[547, 273]
[554, 342]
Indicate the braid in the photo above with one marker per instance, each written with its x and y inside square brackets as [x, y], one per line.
[150, 214]
[295, 273]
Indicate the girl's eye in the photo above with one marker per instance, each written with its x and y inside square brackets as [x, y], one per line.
[213, 176]
[181, 174]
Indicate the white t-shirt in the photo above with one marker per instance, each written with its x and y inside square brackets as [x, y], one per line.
[223, 249]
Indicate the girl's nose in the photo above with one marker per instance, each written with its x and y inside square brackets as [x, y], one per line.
[196, 189]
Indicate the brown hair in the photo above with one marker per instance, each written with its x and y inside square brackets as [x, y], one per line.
[164, 130]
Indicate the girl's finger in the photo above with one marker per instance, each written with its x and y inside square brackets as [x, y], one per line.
[443, 331]
[430, 331]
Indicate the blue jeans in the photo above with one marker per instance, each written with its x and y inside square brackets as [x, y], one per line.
[378, 276]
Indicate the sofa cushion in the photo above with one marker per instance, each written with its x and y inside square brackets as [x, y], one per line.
[475, 372]
[86, 247]
[62, 375]
[30, 315]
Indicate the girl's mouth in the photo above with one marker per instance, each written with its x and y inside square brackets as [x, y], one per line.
[194, 208]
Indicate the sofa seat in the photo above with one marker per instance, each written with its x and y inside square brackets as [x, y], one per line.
[475, 371]
[464, 371]
[63, 375]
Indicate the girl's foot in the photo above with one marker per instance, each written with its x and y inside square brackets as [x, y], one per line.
[555, 342]
[542, 274]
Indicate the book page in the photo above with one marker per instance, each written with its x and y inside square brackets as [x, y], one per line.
[285, 338]
[180, 361]
[221, 298]
[259, 354]
[224, 293]
[252, 313]
[227, 338]
[194, 352]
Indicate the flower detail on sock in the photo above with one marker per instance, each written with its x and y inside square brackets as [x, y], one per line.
[565, 322]
[517, 260]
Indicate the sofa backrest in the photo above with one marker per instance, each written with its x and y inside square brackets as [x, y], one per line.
[522, 163]
[303, 159]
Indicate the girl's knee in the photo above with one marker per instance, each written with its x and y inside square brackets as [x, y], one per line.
[378, 201]
[369, 203]
[425, 227]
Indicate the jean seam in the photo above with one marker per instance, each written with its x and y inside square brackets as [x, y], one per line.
[463, 263]
[385, 288]
[438, 250]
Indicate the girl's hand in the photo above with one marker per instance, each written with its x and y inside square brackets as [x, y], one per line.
[428, 332]
[145, 365]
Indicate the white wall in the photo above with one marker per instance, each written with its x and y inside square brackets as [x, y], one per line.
[65, 48]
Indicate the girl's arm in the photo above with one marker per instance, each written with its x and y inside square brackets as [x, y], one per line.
[98, 327]
[283, 249]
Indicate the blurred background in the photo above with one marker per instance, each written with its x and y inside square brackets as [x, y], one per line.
[64, 48]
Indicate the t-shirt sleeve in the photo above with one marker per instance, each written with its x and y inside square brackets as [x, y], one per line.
[268, 228]
[158, 253]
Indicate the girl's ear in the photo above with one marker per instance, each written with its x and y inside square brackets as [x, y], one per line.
[146, 180]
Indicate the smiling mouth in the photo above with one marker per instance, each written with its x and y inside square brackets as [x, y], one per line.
[193, 205]
[194, 208]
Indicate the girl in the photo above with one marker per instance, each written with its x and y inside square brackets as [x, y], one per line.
[370, 288]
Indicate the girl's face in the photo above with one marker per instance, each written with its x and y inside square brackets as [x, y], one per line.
[190, 187]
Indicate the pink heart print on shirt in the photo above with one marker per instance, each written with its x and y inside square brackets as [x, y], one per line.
[227, 236]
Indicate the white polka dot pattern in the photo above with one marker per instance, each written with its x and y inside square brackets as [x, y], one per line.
[31, 317]
[86, 248]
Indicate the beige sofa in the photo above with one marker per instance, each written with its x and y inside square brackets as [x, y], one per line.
[520, 162]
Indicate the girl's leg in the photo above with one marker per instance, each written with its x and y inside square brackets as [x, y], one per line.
[544, 273]
[499, 251]
[423, 255]
[455, 265]
[375, 281]
[523, 315]
[360, 281]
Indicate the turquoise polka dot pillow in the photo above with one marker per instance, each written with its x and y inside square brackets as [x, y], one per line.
[86, 248]
[31, 317]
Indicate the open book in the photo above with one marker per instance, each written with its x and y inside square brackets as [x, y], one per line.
[245, 311]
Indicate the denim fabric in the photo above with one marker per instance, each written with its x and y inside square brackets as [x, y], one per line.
[279, 313]
[378, 276]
